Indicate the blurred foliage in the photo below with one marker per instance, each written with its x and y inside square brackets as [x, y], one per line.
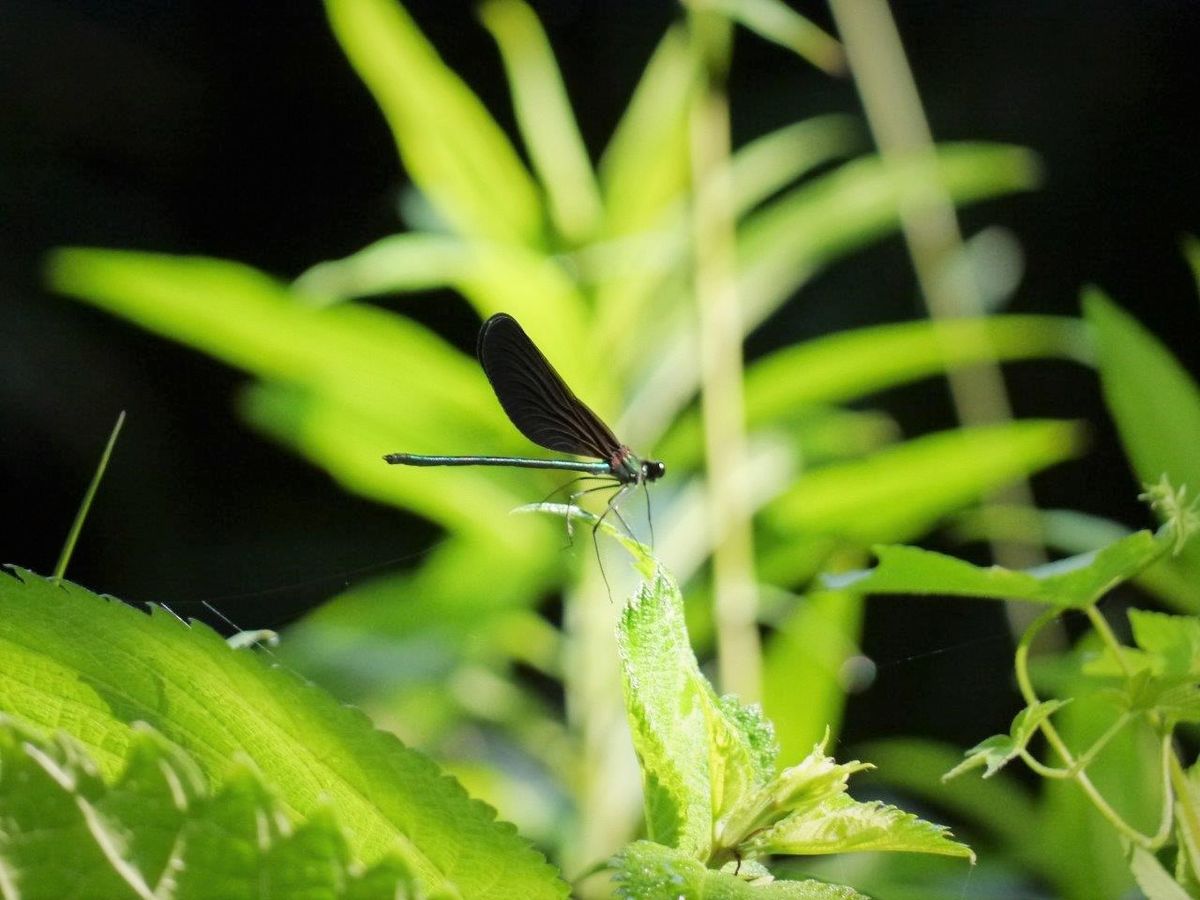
[596, 261]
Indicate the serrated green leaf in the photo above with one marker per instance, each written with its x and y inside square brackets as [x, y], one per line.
[805, 786]
[998, 750]
[901, 491]
[545, 117]
[453, 150]
[842, 824]
[94, 667]
[665, 702]
[1073, 582]
[157, 831]
[650, 871]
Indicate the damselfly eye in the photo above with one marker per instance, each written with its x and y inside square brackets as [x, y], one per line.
[654, 470]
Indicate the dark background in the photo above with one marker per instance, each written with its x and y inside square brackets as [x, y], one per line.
[238, 130]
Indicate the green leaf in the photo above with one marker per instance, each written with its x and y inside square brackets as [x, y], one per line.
[645, 167]
[852, 364]
[545, 117]
[901, 491]
[1174, 641]
[803, 787]
[1191, 252]
[156, 829]
[1187, 826]
[1152, 878]
[453, 150]
[665, 700]
[650, 871]
[999, 750]
[783, 244]
[841, 824]
[1153, 400]
[779, 23]
[1077, 581]
[95, 667]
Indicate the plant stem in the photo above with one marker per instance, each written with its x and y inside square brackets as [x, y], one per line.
[1025, 683]
[734, 583]
[60, 569]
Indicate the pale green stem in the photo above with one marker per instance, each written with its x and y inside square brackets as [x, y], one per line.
[739, 653]
[77, 526]
[897, 120]
[1025, 683]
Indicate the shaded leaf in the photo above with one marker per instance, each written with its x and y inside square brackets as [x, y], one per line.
[649, 871]
[997, 751]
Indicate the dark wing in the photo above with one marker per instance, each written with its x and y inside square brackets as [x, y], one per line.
[535, 397]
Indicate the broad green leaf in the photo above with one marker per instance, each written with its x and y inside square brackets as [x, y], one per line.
[348, 445]
[492, 276]
[156, 830]
[246, 319]
[1155, 881]
[783, 244]
[1077, 581]
[853, 364]
[1154, 401]
[810, 647]
[842, 824]
[901, 491]
[999, 750]
[778, 22]
[645, 166]
[452, 148]
[1073, 532]
[1152, 398]
[106, 666]
[544, 114]
[649, 871]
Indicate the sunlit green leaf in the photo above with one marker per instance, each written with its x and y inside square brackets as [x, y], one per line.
[108, 666]
[157, 827]
[853, 364]
[452, 148]
[901, 491]
[842, 824]
[781, 245]
[645, 166]
[545, 116]
[778, 22]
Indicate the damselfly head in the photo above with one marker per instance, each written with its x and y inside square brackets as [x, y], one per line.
[653, 469]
